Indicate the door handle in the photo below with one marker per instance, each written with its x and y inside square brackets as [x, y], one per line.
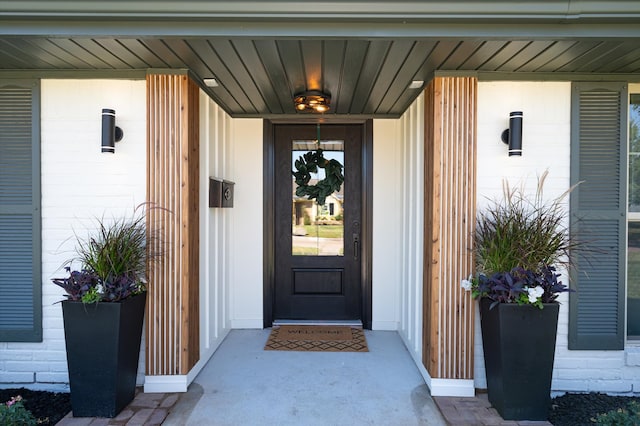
[356, 246]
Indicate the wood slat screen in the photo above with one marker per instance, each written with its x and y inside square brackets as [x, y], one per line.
[172, 326]
[450, 208]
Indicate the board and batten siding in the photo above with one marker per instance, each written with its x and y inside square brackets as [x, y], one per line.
[411, 199]
[216, 229]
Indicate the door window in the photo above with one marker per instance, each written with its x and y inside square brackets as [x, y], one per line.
[318, 230]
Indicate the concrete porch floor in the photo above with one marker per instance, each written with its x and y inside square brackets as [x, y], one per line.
[244, 385]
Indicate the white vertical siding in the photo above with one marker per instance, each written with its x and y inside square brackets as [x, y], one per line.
[411, 165]
[387, 214]
[246, 295]
[215, 228]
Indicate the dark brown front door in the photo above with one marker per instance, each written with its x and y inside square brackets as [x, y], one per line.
[318, 248]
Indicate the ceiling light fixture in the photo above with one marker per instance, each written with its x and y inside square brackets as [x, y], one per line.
[312, 101]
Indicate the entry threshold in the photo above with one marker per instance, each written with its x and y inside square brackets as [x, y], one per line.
[348, 323]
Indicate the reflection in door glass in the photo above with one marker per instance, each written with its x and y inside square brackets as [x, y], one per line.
[317, 230]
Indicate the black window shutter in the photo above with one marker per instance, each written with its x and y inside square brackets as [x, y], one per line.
[20, 245]
[598, 211]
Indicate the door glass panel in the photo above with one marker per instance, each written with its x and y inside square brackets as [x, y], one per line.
[317, 230]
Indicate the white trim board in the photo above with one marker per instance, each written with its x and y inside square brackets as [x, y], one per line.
[385, 326]
[246, 324]
[166, 384]
[180, 383]
[452, 387]
[441, 387]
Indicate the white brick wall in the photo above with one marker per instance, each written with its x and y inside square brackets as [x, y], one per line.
[546, 107]
[79, 184]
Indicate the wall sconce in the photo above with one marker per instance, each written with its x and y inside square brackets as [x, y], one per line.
[513, 135]
[312, 101]
[110, 132]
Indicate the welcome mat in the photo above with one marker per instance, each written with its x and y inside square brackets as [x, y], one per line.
[314, 338]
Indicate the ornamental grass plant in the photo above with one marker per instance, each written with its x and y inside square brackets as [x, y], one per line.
[519, 242]
[523, 231]
[117, 249]
[113, 259]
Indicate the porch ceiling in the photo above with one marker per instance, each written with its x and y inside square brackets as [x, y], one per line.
[365, 54]
[259, 77]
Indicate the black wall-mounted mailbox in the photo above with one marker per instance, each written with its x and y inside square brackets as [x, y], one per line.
[220, 193]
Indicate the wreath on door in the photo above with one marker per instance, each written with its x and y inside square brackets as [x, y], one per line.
[309, 163]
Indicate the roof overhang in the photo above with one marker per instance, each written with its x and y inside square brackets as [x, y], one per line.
[359, 10]
[365, 54]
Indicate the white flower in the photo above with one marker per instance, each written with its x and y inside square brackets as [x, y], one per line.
[467, 284]
[535, 293]
[99, 289]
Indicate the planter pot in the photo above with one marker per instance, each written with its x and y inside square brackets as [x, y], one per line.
[519, 344]
[103, 347]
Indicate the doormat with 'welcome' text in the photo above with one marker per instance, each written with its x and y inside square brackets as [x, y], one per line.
[317, 339]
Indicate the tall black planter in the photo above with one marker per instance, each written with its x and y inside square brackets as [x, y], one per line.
[103, 347]
[519, 342]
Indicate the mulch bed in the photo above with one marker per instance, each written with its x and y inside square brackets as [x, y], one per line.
[578, 409]
[48, 407]
[567, 410]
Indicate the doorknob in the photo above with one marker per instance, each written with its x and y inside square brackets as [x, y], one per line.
[356, 240]
[356, 246]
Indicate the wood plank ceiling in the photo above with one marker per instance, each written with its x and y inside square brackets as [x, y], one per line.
[258, 77]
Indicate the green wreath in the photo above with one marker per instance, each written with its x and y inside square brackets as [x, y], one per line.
[309, 163]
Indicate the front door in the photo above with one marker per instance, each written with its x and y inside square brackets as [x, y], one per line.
[318, 247]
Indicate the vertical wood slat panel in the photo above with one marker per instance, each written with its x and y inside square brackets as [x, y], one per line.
[450, 187]
[431, 216]
[172, 334]
[191, 327]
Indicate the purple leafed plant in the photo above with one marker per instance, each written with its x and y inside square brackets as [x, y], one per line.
[77, 284]
[520, 286]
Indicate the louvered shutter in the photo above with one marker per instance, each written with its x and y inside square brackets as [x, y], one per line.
[598, 210]
[20, 281]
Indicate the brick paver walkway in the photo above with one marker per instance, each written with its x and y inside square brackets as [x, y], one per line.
[147, 409]
[475, 411]
[151, 409]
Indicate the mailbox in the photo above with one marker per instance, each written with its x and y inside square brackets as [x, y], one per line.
[220, 193]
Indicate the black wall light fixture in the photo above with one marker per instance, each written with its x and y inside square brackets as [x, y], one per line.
[110, 132]
[513, 135]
